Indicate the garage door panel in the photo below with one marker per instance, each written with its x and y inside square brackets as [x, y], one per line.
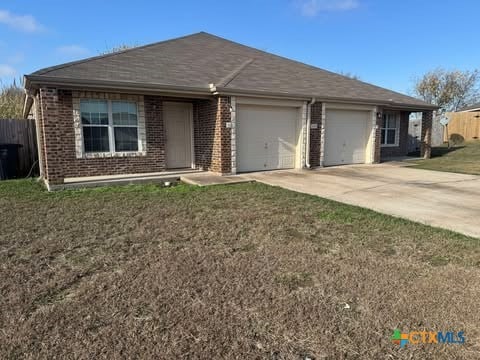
[345, 137]
[287, 160]
[265, 137]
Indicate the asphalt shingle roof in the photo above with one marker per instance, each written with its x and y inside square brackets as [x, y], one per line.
[201, 59]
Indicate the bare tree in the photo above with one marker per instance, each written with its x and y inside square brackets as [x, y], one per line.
[450, 90]
[117, 48]
[11, 101]
[349, 74]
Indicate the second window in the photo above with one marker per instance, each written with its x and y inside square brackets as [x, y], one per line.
[390, 129]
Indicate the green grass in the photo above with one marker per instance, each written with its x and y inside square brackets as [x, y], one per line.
[237, 271]
[463, 159]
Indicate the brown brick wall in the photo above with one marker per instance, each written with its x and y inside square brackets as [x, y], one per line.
[204, 132]
[316, 118]
[402, 148]
[53, 126]
[60, 139]
[212, 138]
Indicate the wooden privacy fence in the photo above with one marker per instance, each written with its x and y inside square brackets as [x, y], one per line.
[466, 124]
[21, 131]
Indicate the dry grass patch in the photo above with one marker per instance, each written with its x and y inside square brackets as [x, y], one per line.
[238, 271]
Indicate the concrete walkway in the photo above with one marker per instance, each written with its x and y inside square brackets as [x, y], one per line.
[446, 200]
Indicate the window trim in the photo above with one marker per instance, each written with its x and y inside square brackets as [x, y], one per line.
[110, 98]
[396, 128]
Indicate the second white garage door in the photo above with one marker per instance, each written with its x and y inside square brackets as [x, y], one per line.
[265, 137]
[346, 136]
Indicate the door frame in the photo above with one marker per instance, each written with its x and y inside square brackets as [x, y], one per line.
[192, 137]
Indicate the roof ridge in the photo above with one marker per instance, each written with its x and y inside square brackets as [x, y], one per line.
[304, 64]
[71, 63]
[227, 64]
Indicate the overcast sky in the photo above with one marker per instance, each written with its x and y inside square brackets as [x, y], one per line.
[385, 42]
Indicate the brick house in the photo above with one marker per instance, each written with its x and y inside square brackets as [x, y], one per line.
[203, 102]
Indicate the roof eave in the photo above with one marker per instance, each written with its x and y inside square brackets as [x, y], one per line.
[32, 82]
[218, 90]
[29, 93]
[35, 81]
[27, 106]
[471, 110]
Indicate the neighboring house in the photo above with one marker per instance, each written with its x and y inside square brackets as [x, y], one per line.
[471, 108]
[204, 102]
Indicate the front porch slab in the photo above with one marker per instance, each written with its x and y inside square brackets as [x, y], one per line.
[124, 179]
[208, 178]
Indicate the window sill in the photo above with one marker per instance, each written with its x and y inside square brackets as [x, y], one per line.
[388, 145]
[112, 154]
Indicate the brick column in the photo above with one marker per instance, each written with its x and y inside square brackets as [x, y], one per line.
[378, 136]
[315, 132]
[222, 160]
[52, 134]
[213, 135]
[426, 138]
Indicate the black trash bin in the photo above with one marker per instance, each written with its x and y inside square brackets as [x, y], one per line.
[8, 160]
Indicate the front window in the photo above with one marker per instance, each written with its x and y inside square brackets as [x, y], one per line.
[109, 126]
[390, 128]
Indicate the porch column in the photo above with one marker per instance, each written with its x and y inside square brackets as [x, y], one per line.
[222, 142]
[377, 145]
[315, 133]
[426, 137]
[53, 123]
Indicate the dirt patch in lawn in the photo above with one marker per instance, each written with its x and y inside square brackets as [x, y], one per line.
[238, 271]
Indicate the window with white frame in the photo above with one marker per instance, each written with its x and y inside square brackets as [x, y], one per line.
[109, 125]
[390, 129]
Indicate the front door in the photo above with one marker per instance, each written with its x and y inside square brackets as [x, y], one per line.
[178, 134]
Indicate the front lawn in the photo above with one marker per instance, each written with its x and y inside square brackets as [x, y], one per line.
[238, 271]
[463, 158]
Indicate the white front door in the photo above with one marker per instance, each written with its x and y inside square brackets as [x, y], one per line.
[346, 136]
[178, 134]
[265, 137]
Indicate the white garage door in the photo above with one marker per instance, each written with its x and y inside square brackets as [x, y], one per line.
[265, 137]
[346, 136]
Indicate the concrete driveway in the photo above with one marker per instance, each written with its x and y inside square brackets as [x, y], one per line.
[446, 200]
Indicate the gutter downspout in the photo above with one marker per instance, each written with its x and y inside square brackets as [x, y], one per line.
[309, 121]
[29, 102]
